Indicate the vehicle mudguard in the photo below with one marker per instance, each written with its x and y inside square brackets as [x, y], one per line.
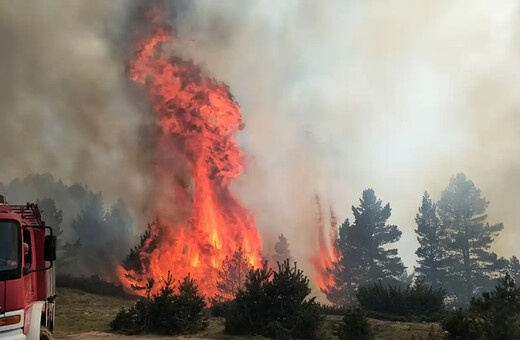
[33, 320]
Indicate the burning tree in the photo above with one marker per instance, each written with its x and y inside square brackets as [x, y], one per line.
[233, 274]
[197, 159]
[328, 251]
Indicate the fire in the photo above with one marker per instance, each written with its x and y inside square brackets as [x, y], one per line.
[201, 221]
[328, 250]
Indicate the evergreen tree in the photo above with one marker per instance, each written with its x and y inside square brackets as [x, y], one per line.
[430, 235]
[118, 221]
[133, 260]
[275, 304]
[364, 253]
[233, 274]
[513, 268]
[348, 271]
[281, 249]
[470, 265]
[51, 215]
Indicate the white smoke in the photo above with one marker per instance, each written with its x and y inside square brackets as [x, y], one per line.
[341, 96]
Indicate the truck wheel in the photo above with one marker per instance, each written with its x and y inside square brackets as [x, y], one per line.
[45, 334]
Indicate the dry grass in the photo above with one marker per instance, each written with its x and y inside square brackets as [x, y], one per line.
[80, 312]
[84, 316]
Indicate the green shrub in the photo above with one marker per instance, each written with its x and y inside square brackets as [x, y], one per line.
[493, 316]
[460, 325]
[219, 306]
[274, 304]
[417, 300]
[355, 325]
[165, 312]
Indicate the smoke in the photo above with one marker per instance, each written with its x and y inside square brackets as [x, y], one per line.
[341, 96]
[92, 238]
[67, 108]
[337, 97]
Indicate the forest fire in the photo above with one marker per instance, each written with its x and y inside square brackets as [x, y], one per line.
[200, 220]
[328, 252]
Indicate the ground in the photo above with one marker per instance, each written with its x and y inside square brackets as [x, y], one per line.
[85, 316]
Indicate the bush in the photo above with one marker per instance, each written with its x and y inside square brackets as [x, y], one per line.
[460, 325]
[165, 312]
[420, 301]
[219, 306]
[355, 326]
[493, 316]
[274, 304]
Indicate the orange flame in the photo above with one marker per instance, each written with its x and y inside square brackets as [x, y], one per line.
[328, 250]
[201, 221]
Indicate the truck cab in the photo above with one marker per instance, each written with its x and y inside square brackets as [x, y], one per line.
[27, 273]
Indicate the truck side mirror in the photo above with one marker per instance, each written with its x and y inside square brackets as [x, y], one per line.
[50, 248]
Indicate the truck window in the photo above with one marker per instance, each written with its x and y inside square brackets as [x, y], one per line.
[26, 248]
[10, 253]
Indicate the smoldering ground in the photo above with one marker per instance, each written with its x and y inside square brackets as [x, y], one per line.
[336, 96]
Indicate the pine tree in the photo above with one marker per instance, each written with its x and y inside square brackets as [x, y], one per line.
[470, 265]
[281, 249]
[430, 235]
[364, 253]
[133, 260]
[233, 274]
[513, 268]
[348, 271]
[275, 304]
[51, 215]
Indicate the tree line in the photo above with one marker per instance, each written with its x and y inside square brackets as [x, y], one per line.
[92, 235]
[453, 254]
[454, 246]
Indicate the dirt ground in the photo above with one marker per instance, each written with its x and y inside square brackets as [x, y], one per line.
[83, 316]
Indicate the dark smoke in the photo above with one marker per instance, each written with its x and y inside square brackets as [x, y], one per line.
[93, 238]
[67, 108]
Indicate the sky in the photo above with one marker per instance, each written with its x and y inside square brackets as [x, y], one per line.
[341, 96]
[337, 97]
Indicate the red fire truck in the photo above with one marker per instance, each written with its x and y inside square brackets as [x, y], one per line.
[27, 279]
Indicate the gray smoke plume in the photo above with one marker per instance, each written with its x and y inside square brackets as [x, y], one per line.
[92, 237]
[337, 96]
[67, 108]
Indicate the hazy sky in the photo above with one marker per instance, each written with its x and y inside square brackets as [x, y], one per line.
[337, 96]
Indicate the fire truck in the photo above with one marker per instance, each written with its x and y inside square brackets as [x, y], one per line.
[27, 277]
